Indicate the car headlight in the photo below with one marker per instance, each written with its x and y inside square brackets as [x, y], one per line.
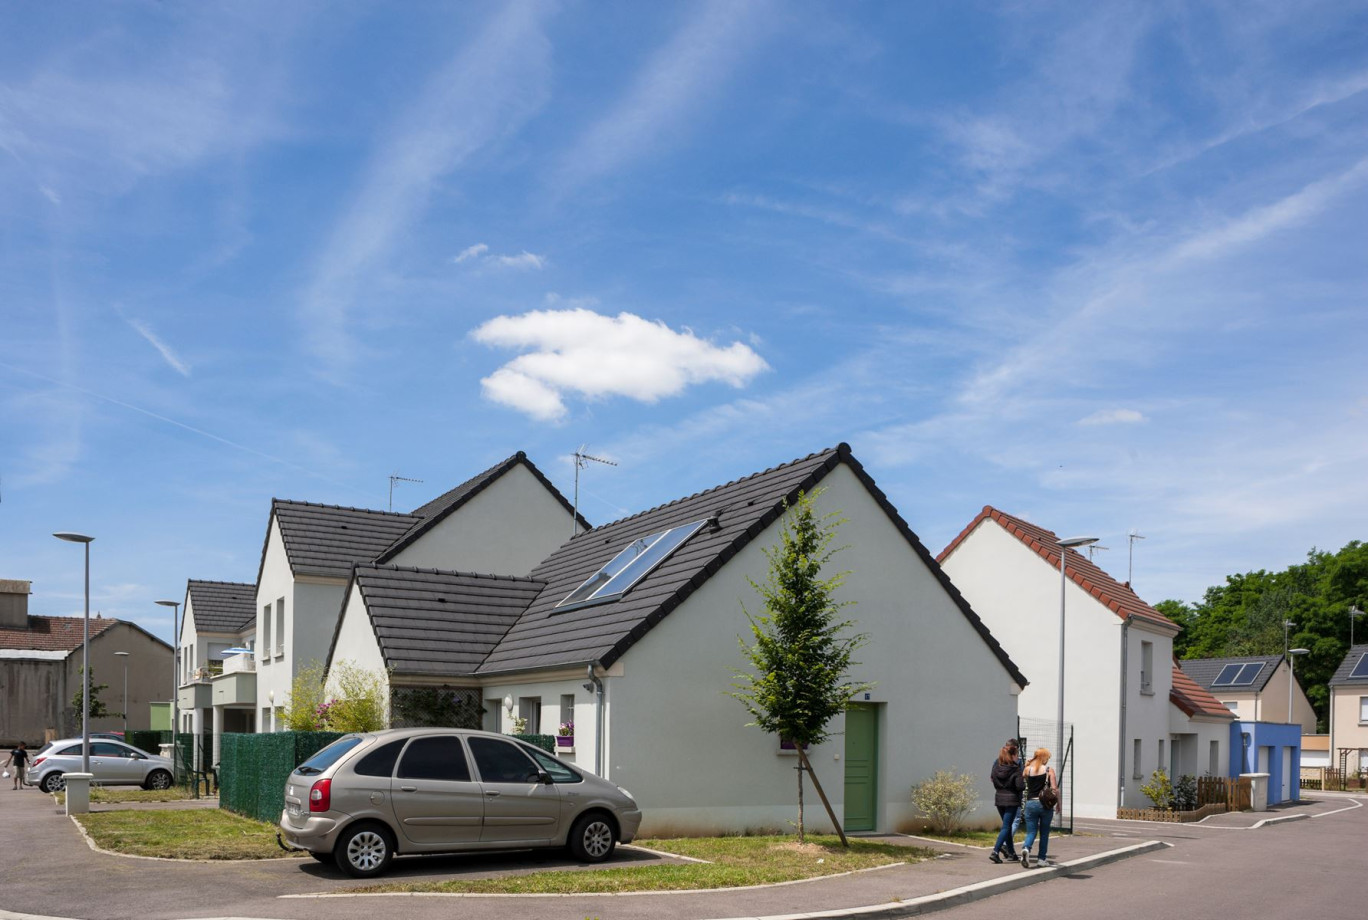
[626, 793]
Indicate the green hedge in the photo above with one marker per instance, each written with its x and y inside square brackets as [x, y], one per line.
[545, 742]
[253, 769]
[151, 742]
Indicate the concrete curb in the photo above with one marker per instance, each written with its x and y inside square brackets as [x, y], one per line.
[970, 893]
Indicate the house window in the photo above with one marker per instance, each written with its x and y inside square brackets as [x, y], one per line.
[1363, 709]
[1147, 667]
[265, 724]
[631, 565]
[280, 628]
[567, 713]
[1232, 705]
[1135, 761]
[266, 634]
[493, 710]
[1161, 765]
[529, 709]
[1214, 766]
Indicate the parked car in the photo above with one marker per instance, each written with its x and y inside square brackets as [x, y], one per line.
[367, 797]
[112, 763]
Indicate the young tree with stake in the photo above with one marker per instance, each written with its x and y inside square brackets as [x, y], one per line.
[800, 657]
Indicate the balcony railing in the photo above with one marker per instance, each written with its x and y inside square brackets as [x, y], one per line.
[235, 664]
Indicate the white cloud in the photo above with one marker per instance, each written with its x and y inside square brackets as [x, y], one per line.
[1113, 417]
[471, 252]
[523, 260]
[155, 341]
[50, 194]
[580, 351]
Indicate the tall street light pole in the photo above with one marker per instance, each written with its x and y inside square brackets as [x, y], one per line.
[1287, 625]
[85, 650]
[175, 680]
[124, 656]
[1064, 547]
[1292, 678]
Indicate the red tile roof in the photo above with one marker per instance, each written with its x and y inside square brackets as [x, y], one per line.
[1117, 597]
[54, 634]
[1189, 696]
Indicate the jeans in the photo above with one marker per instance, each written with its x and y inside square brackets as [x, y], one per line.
[1010, 815]
[1038, 818]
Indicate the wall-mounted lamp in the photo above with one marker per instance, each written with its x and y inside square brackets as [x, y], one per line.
[508, 703]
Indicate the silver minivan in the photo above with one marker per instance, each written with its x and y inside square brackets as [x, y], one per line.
[367, 797]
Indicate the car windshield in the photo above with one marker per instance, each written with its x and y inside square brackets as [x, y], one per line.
[328, 756]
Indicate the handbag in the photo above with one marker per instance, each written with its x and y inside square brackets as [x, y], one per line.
[1049, 795]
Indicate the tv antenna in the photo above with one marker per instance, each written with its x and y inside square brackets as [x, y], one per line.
[393, 480]
[1093, 547]
[1130, 555]
[581, 461]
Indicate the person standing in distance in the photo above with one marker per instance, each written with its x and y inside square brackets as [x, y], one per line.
[1007, 786]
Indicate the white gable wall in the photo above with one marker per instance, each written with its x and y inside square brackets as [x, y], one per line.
[1016, 592]
[946, 700]
[1148, 714]
[189, 639]
[505, 529]
[356, 642]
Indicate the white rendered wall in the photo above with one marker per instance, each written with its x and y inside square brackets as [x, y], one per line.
[947, 702]
[506, 529]
[356, 642]
[550, 690]
[1346, 731]
[1016, 592]
[1274, 696]
[189, 638]
[1147, 713]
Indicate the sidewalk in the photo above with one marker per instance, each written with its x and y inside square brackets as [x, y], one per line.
[38, 881]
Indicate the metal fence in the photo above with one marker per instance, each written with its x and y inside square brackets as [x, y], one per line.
[1044, 733]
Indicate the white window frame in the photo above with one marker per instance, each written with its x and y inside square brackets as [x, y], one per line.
[1363, 710]
[280, 628]
[1146, 667]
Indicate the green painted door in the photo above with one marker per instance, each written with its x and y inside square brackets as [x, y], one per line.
[861, 767]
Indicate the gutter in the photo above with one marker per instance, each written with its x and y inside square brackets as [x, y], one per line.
[595, 685]
[1121, 741]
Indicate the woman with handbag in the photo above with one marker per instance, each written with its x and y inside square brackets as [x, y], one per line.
[1042, 795]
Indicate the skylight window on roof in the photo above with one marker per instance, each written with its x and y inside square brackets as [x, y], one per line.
[1248, 673]
[631, 565]
[1361, 669]
[1227, 676]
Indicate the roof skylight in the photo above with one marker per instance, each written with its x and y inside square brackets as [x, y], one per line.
[1361, 669]
[1240, 674]
[630, 566]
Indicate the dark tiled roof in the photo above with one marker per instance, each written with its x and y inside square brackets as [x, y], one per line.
[1188, 696]
[436, 623]
[53, 634]
[435, 511]
[1346, 667]
[329, 539]
[1114, 595]
[544, 637]
[1205, 671]
[221, 606]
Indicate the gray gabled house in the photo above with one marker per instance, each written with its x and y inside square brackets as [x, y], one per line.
[629, 632]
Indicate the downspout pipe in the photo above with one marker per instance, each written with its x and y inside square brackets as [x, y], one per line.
[1121, 742]
[597, 686]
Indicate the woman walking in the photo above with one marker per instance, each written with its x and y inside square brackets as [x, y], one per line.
[1007, 786]
[1040, 781]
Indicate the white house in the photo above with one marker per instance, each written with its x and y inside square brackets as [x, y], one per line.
[1348, 743]
[1255, 688]
[630, 632]
[219, 617]
[503, 520]
[1119, 672]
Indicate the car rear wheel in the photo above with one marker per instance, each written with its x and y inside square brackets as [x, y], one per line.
[364, 850]
[158, 779]
[52, 782]
[592, 838]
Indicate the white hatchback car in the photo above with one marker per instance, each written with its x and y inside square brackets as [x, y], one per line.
[366, 797]
[112, 763]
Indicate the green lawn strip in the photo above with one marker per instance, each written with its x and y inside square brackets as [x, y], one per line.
[199, 833]
[732, 862]
[118, 795]
[982, 838]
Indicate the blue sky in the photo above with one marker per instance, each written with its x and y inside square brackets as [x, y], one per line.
[1102, 266]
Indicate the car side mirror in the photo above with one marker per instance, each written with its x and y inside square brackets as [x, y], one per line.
[544, 778]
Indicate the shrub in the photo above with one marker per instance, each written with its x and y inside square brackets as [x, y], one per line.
[1185, 793]
[945, 799]
[1159, 790]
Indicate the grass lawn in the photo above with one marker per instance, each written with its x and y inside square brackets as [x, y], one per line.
[732, 862]
[116, 795]
[201, 833]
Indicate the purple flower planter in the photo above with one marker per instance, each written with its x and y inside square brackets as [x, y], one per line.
[565, 741]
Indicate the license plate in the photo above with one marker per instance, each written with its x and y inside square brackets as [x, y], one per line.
[294, 810]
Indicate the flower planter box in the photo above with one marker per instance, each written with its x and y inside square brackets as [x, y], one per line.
[565, 741]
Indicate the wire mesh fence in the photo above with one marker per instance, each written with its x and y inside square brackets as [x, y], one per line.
[1044, 733]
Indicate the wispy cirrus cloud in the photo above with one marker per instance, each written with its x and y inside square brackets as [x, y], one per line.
[168, 354]
[1113, 417]
[480, 252]
[470, 252]
[586, 353]
[487, 91]
[668, 92]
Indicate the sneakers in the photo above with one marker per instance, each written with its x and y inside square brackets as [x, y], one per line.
[995, 857]
[1025, 859]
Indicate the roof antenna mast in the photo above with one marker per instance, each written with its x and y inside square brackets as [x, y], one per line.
[1130, 556]
[1094, 549]
[393, 480]
[581, 461]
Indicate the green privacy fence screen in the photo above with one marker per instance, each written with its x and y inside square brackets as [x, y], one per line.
[253, 769]
[545, 742]
[151, 742]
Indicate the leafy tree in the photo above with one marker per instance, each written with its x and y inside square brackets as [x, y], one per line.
[799, 656]
[305, 711]
[98, 709]
[359, 705]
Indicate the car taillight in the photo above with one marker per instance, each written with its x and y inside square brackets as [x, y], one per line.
[320, 795]
[38, 760]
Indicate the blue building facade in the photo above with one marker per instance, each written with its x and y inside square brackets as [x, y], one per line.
[1268, 747]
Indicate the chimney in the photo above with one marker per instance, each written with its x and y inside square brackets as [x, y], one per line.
[14, 603]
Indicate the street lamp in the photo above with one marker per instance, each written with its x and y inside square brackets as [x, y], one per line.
[1292, 654]
[175, 678]
[124, 656]
[1064, 547]
[1354, 614]
[85, 650]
